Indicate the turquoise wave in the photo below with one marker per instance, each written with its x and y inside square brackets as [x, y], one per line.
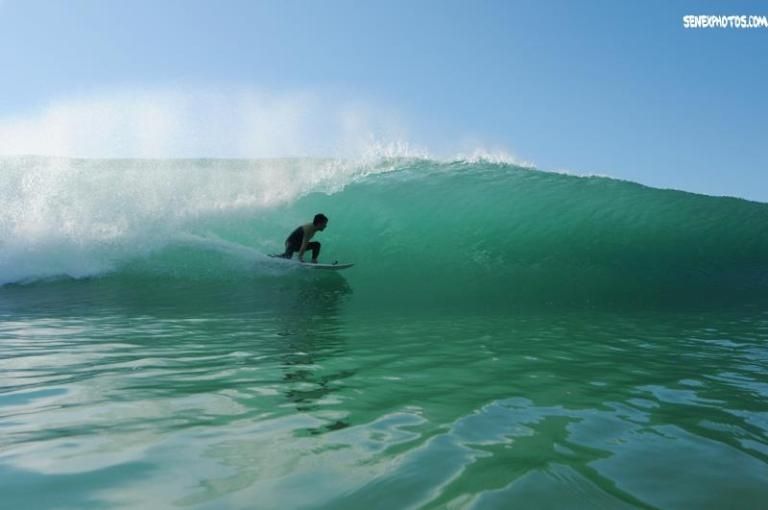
[463, 233]
[492, 232]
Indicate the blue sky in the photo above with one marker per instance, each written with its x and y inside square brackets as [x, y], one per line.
[617, 88]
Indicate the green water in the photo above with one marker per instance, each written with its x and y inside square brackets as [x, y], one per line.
[508, 338]
[178, 394]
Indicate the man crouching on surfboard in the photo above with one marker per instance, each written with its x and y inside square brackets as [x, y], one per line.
[299, 240]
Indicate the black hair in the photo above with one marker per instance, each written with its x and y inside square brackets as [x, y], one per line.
[320, 218]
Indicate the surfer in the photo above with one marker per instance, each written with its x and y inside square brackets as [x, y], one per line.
[299, 240]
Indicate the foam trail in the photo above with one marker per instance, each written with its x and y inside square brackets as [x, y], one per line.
[241, 257]
[214, 243]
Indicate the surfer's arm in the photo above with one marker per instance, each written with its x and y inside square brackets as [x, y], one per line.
[309, 233]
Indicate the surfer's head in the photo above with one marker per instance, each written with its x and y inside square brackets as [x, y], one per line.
[320, 221]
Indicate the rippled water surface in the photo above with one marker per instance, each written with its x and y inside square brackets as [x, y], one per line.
[192, 395]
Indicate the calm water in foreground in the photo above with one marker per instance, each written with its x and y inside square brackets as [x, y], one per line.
[194, 395]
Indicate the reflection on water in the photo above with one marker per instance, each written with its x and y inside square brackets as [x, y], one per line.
[310, 330]
[273, 394]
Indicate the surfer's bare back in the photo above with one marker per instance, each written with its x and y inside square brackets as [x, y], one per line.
[299, 240]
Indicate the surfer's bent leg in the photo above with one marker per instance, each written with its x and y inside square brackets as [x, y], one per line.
[289, 249]
[315, 247]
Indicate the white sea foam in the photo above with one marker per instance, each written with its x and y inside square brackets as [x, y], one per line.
[482, 154]
[80, 217]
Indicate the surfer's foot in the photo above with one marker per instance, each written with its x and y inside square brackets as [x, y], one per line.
[314, 261]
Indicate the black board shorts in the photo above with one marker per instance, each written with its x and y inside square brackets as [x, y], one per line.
[294, 240]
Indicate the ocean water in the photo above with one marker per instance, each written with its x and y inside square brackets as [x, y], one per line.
[508, 338]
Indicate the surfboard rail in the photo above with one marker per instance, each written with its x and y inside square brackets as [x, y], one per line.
[332, 267]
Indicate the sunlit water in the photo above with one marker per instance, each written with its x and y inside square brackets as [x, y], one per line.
[171, 393]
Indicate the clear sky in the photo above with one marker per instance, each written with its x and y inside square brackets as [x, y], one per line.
[617, 88]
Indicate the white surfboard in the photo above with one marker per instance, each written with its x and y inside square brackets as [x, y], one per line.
[332, 267]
